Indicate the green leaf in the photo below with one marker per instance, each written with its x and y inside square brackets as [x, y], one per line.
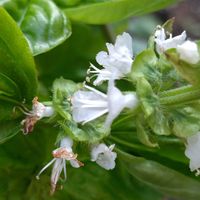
[62, 92]
[146, 96]
[42, 22]
[186, 121]
[190, 72]
[91, 132]
[158, 122]
[17, 69]
[101, 12]
[9, 130]
[168, 25]
[143, 134]
[63, 89]
[160, 177]
[8, 87]
[144, 65]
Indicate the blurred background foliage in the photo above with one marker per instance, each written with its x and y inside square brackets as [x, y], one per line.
[22, 157]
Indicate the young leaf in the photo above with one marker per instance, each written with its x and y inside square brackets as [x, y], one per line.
[90, 132]
[190, 72]
[158, 122]
[186, 121]
[42, 22]
[144, 65]
[143, 134]
[168, 25]
[146, 96]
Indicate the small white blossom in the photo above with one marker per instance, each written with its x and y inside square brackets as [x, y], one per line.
[116, 63]
[163, 43]
[192, 152]
[38, 111]
[91, 104]
[188, 52]
[61, 155]
[104, 156]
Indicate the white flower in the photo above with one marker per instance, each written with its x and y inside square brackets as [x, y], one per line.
[91, 104]
[38, 111]
[61, 155]
[163, 43]
[189, 52]
[193, 152]
[103, 156]
[117, 62]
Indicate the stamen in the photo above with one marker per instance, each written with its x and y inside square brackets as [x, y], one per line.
[44, 168]
[87, 79]
[96, 91]
[95, 116]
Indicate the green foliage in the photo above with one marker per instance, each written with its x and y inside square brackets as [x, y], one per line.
[113, 10]
[189, 72]
[18, 80]
[160, 177]
[42, 22]
[62, 94]
[18, 74]
[153, 134]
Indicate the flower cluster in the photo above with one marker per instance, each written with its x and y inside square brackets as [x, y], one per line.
[188, 50]
[88, 103]
[38, 111]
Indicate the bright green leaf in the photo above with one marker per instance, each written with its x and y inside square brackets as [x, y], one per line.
[42, 22]
[101, 12]
[17, 67]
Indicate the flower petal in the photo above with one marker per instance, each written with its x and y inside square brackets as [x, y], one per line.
[117, 102]
[98, 149]
[74, 163]
[88, 105]
[189, 52]
[123, 44]
[163, 45]
[192, 151]
[107, 160]
[66, 142]
[56, 171]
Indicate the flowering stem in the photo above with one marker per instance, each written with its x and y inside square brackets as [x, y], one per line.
[180, 95]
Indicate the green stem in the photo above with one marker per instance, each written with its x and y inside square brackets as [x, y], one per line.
[180, 95]
[176, 91]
